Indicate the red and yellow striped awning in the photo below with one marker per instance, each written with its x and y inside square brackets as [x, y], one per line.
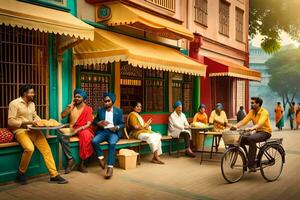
[220, 67]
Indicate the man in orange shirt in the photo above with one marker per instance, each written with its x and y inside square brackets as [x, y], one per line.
[260, 131]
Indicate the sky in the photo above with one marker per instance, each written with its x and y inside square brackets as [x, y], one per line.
[285, 40]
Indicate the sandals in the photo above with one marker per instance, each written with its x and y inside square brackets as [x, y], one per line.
[157, 162]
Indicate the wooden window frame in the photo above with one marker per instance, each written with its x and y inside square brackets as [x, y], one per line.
[200, 7]
[134, 80]
[104, 74]
[239, 25]
[24, 60]
[224, 17]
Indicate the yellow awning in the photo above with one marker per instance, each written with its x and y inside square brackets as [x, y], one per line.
[109, 47]
[25, 15]
[220, 67]
[126, 15]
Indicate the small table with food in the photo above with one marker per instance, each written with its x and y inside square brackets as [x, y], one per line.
[198, 130]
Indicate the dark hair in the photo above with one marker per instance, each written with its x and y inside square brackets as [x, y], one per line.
[278, 103]
[293, 103]
[133, 104]
[257, 100]
[23, 89]
[242, 107]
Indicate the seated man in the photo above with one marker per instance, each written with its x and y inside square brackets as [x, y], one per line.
[201, 116]
[178, 127]
[142, 131]
[110, 123]
[260, 132]
[80, 119]
[22, 113]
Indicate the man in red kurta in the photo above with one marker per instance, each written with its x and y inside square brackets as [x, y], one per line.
[80, 119]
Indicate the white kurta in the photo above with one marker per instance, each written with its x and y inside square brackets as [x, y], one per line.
[177, 124]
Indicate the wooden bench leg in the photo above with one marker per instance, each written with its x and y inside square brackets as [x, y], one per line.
[177, 146]
[202, 151]
[170, 146]
[139, 156]
[212, 146]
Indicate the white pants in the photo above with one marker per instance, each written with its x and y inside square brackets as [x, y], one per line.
[154, 141]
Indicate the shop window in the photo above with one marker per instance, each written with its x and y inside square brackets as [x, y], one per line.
[146, 86]
[95, 80]
[23, 60]
[182, 90]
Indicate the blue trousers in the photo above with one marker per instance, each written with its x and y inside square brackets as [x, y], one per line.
[109, 136]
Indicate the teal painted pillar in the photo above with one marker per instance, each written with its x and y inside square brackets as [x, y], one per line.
[196, 94]
[67, 65]
[67, 79]
[53, 101]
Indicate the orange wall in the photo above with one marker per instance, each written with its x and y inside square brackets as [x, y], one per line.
[212, 29]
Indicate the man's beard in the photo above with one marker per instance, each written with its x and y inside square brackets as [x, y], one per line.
[77, 103]
[30, 99]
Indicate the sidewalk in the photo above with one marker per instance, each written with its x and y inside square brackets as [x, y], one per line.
[179, 178]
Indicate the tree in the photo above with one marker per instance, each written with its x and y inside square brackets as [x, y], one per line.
[284, 68]
[270, 17]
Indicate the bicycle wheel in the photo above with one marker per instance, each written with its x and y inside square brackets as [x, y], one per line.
[233, 165]
[271, 163]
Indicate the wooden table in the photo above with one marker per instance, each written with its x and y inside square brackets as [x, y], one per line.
[215, 143]
[198, 137]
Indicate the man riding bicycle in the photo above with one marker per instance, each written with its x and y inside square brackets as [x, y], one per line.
[260, 131]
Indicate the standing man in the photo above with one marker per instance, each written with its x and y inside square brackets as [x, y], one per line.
[260, 131]
[22, 113]
[241, 114]
[110, 123]
[80, 119]
[179, 128]
[291, 115]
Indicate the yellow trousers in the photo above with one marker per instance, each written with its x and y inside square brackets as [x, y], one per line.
[28, 139]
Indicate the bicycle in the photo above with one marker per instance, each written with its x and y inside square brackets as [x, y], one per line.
[269, 160]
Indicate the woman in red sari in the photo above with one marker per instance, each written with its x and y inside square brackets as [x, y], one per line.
[279, 116]
[80, 119]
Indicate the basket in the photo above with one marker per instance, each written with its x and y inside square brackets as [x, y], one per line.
[231, 138]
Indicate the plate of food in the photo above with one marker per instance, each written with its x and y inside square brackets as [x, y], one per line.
[44, 124]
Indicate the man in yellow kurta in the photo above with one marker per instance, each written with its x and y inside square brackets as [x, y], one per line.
[22, 113]
[260, 131]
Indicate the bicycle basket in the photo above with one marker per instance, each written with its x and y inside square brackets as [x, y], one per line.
[231, 137]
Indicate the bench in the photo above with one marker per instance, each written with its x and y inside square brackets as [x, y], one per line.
[159, 125]
[124, 142]
[10, 156]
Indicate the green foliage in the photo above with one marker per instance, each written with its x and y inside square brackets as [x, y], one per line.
[270, 17]
[284, 68]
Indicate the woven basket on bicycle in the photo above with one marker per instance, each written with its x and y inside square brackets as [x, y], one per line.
[231, 138]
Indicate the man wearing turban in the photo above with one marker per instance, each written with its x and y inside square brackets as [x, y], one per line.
[109, 122]
[179, 127]
[80, 119]
[218, 118]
